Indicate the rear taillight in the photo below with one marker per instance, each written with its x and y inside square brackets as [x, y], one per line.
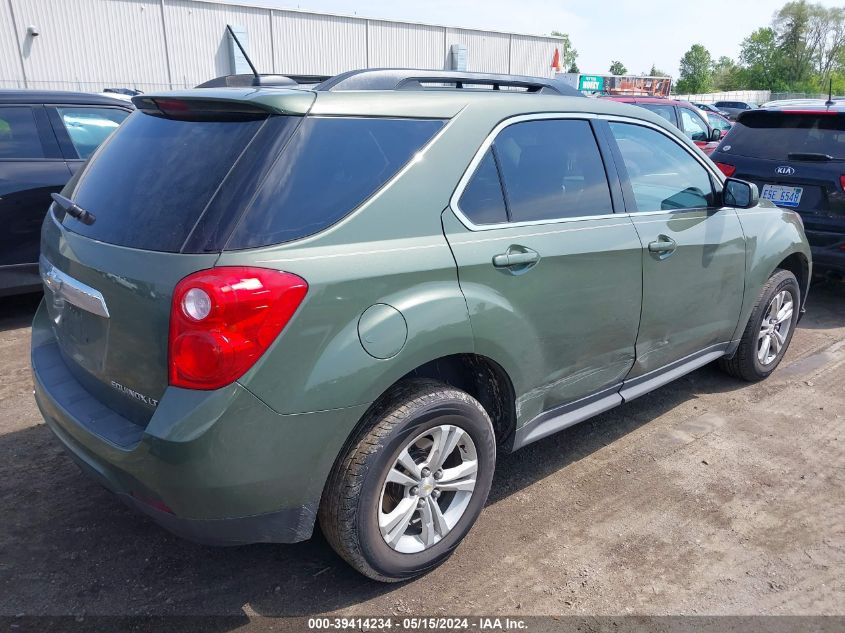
[842, 181]
[728, 170]
[223, 319]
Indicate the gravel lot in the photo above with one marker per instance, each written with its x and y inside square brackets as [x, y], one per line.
[708, 496]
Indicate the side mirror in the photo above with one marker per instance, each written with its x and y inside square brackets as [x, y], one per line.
[740, 194]
[715, 135]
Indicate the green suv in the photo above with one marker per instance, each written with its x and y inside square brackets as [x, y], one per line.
[269, 306]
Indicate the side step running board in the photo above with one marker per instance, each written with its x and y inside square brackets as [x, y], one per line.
[567, 415]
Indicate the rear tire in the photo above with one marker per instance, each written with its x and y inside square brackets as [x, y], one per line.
[769, 330]
[374, 484]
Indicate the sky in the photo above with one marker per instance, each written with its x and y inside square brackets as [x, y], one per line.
[637, 33]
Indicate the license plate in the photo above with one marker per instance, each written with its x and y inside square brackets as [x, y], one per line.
[782, 196]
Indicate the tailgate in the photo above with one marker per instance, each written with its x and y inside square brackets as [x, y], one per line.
[109, 308]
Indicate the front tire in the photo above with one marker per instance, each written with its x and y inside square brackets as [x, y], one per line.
[411, 483]
[769, 331]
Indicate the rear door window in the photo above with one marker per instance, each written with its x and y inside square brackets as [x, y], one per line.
[19, 133]
[88, 126]
[330, 167]
[775, 135]
[663, 175]
[552, 169]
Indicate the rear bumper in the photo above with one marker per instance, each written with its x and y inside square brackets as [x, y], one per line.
[828, 257]
[214, 467]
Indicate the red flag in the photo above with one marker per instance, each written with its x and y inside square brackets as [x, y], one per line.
[556, 60]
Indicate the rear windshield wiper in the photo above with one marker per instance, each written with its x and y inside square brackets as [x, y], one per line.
[73, 209]
[811, 156]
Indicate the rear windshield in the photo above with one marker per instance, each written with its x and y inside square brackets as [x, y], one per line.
[202, 186]
[775, 135]
[151, 181]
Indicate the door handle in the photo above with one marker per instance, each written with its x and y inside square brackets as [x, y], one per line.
[516, 257]
[663, 244]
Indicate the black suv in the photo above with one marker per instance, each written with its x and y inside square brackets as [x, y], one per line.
[44, 138]
[796, 156]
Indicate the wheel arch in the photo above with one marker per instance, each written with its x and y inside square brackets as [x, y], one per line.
[799, 265]
[774, 239]
[480, 376]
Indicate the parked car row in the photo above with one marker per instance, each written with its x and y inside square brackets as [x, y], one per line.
[45, 137]
[795, 154]
[683, 115]
[793, 150]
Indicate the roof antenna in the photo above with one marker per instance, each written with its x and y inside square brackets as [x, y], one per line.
[257, 81]
[830, 94]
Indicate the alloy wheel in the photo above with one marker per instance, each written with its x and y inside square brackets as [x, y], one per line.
[427, 489]
[775, 327]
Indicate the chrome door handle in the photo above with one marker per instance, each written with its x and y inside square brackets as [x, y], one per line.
[663, 245]
[515, 256]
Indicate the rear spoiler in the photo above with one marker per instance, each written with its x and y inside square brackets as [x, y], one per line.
[189, 109]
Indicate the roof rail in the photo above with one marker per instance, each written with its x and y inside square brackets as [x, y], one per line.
[414, 79]
[266, 81]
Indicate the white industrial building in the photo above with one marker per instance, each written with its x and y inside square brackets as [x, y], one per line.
[159, 44]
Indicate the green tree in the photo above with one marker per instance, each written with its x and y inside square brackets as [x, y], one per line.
[791, 25]
[568, 53]
[656, 72]
[762, 62]
[726, 74]
[573, 68]
[696, 71]
[617, 68]
[825, 40]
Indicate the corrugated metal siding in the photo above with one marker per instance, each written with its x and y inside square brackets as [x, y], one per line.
[532, 55]
[401, 45]
[314, 44]
[486, 52]
[196, 39]
[10, 65]
[86, 44]
[151, 44]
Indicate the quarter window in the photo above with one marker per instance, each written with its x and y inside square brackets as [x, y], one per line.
[88, 127]
[552, 169]
[483, 201]
[663, 175]
[19, 134]
[330, 166]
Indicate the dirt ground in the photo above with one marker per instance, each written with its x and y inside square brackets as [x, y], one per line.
[708, 496]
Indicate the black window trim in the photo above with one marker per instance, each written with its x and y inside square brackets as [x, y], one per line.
[716, 178]
[610, 169]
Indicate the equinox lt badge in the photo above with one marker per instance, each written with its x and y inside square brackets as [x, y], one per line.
[134, 394]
